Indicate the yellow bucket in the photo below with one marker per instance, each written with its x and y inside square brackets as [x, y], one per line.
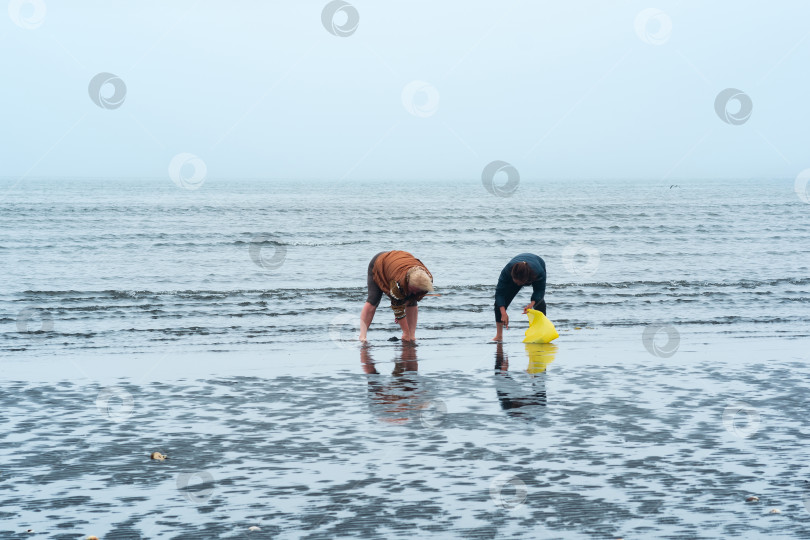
[540, 330]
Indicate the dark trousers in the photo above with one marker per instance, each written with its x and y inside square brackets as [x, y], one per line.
[511, 292]
[374, 291]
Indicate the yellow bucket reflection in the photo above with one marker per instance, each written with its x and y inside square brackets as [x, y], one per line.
[540, 330]
[540, 356]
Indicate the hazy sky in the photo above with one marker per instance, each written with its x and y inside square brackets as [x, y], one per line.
[574, 89]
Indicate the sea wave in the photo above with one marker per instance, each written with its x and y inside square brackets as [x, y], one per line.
[663, 287]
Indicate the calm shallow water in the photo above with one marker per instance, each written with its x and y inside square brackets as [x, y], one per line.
[417, 442]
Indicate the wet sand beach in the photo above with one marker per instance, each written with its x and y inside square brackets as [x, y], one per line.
[593, 437]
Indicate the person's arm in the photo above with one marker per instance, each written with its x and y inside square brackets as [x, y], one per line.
[398, 303]
[539, 288]
[504, 317]
[399, 308]
[400, 317]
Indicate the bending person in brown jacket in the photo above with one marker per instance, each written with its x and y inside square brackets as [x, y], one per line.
[405, 280]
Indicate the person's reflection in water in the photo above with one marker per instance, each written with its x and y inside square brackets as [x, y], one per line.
[521, 398]
[399, 398]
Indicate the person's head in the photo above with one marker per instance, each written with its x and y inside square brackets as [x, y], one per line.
[419, 281]
[522, 273]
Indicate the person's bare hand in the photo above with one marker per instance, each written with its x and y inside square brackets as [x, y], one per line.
[528, 307]
[505, 320]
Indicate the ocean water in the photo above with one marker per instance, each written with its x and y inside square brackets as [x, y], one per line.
[217, 326]
[116, 266]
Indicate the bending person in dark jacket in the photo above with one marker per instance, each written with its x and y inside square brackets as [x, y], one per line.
[522, 270]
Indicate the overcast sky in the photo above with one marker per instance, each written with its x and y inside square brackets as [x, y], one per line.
[418, 89]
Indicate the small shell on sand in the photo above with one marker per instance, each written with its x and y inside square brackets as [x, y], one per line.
[752, 498]
[775, 511]
[158, 456]
[254, 528]
[91, 538]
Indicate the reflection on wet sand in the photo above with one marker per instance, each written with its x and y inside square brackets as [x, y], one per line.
[540, 356]
[519, 396]
[401, 397]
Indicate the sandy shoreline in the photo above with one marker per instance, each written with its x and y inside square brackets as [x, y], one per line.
[585, 347]
[606, 441]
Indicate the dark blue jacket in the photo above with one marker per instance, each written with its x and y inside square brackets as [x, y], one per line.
[506, 285]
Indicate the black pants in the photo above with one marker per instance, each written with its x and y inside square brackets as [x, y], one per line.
[374, 291]
[511, 292]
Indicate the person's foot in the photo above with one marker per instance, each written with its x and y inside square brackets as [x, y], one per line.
[497, 338]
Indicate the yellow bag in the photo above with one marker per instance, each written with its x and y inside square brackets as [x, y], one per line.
[540, 328]
[540, 356]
